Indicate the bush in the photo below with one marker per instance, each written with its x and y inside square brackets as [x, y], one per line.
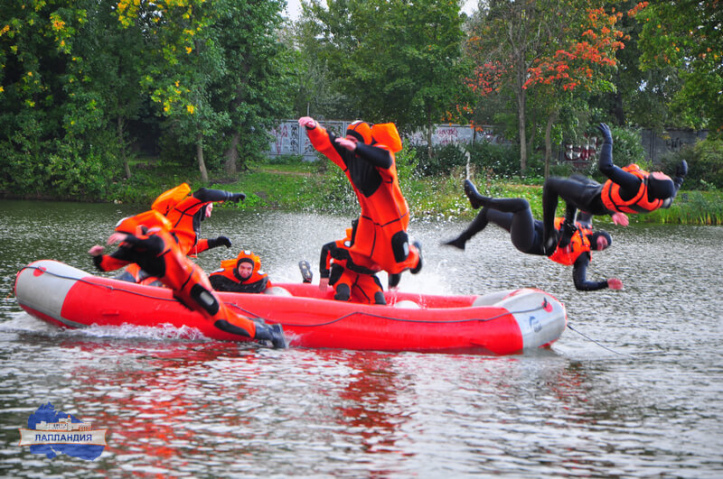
[502, 160]
[705, 164]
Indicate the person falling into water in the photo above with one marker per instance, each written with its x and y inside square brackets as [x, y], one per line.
[146, 239]
[366, 155]
[514, 216]
[628, 190]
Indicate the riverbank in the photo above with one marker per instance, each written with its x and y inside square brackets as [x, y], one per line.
[320, 188]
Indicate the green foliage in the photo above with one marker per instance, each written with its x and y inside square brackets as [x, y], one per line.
[696, 207]
[394, 60]
[705, 164]
[627, 146]
[499, 161]
[686, 36]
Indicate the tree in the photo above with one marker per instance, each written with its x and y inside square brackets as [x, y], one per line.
[255, 86]
[686, 35]
[395, 60]
[553, 46]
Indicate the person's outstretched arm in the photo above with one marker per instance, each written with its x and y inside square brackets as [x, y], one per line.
[579, 274]
[628, 182]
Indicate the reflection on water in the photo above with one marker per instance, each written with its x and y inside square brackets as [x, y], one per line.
[644, 402]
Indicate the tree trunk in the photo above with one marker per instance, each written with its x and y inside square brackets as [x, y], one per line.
[430, 131]
[521, 128]
[121, 147]
[232, 155]
[199, 157]
[548, 141]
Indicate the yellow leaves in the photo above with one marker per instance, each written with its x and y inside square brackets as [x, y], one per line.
[189, 50]
[14, 49]
[30, 74]
[191, 109]
[4, 30]
[2, 88]
[30, 103]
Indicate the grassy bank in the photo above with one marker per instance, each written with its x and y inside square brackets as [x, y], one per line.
[321, 187]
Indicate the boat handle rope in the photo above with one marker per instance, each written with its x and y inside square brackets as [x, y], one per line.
[569, 326]
[249, 313]
[381, 316]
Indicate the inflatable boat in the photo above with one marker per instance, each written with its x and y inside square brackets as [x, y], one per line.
[504, 322]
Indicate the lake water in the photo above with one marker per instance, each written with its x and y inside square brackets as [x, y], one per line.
[633, 389]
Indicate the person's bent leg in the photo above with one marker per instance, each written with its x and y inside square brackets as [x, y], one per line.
[478, 224]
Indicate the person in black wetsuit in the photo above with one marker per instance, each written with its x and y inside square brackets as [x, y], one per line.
[628, 190]
[514, 216]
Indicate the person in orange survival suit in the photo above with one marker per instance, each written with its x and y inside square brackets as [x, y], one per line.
[145, 239]
[514, 216]
[186, 213]
[382, 242]
[351, 282]
[241, 275]
[628, 190]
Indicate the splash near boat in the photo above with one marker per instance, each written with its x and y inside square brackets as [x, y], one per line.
[504, 322]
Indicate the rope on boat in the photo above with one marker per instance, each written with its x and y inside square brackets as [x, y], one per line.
[251, 314]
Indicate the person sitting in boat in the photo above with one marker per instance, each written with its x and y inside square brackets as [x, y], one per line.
[351, 282]
[146, 239]
[241, 275]
[628, 190]
[366, 155]
[514, 216]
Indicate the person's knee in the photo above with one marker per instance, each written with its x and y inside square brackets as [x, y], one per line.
[343, 292]
[205, 299]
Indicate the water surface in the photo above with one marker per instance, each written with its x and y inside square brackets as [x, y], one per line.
[633, 390]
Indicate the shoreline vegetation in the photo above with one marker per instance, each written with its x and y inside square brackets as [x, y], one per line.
[319, 187]
[299, 186]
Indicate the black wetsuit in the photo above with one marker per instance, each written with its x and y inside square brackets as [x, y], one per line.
[514, 216]
[585, 194]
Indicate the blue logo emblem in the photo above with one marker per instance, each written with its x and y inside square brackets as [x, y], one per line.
[52, 432]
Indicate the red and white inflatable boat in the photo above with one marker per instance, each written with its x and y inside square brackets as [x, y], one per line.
[501, 323]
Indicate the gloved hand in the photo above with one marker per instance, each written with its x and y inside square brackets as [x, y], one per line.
[222, 241]
[236, 197]
[605, 130]
[682, 169]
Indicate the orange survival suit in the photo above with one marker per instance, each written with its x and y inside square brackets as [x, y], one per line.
[351, 282]
[382, 242]
[227, 277]
[149, 243]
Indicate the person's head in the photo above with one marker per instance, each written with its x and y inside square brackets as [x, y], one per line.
[600, 240]
[660, 186]
[359, 131]
[246, 264]
[245, 267]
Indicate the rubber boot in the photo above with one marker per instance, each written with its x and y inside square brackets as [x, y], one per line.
[475, 199]
[418, 268]
[306, 273]
[394, 279]
[273, 333]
